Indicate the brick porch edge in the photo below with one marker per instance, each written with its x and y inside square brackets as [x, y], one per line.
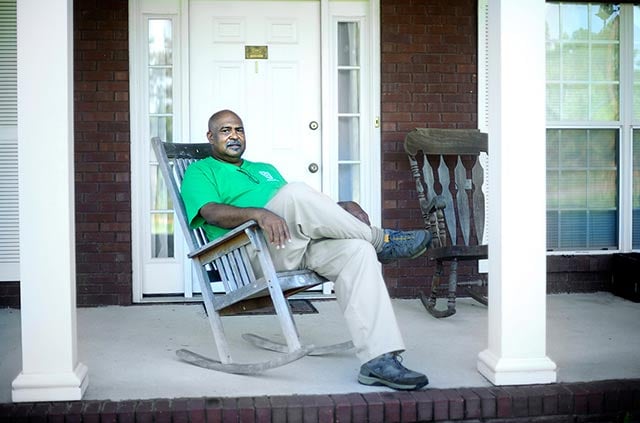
[601, 401]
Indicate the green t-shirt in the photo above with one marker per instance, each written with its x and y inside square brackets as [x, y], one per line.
[209, 180]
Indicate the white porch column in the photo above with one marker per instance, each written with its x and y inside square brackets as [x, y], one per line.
[50, 367]
[517, 224]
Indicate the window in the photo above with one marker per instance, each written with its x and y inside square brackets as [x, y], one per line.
[636, 190]
[9, 236]
[593, 110]
[161, 124]
[582, 188]
[349, 98]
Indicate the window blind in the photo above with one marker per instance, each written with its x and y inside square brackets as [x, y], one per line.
[8, 65]
[9, 237]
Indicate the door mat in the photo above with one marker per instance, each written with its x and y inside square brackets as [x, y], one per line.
[298, 306]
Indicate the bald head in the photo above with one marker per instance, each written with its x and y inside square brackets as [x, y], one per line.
[226, 136]
[216, 119]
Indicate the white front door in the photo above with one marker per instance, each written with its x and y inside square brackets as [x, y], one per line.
[269, 62]
[261, 60]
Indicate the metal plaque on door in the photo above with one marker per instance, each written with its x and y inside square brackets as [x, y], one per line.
[256, 52]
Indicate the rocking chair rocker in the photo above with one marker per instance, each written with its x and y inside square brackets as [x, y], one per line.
[229, 257]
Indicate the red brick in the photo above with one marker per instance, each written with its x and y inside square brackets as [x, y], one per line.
[406, 404]
[519, 401]
[113, 106]
[246, 410]
[325, 407]
[503, 402]
[116, 46]
[91, 412]
[309, 409]
[57, 412]
[113, 86]
[85, 86]
[144, 411]
[74, 412]
[278, 408]
[294, 409]
[375, 407]
[160, 411]
[97, 55]
[595, 399]
[262, 409]
[39, 412]
[424, 405]
[97, 76]
[472, 403]
[109, 412]
[213, 410]
[535, 399]
[580, 399]
[550, 400]
[358, 408]
[19, 413]
[342, 408]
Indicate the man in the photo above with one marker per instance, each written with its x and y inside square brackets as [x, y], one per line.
[306, 229]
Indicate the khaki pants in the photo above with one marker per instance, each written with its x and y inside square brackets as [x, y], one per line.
[336, 245]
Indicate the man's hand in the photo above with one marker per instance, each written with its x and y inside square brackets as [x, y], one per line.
[355, 209]
[225, 216]
[274, 227]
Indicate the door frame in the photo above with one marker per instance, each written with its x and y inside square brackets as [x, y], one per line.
[178, 10]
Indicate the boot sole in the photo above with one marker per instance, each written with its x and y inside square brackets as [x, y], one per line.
[374, 381]
[417, 254]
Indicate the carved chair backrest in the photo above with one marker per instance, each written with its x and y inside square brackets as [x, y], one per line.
[447, 164]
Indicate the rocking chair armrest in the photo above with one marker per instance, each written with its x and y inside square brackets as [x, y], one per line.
[224, 239]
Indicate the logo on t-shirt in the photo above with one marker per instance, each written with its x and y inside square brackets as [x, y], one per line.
[269, 177]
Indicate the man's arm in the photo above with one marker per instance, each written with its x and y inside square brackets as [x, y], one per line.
[225, 216]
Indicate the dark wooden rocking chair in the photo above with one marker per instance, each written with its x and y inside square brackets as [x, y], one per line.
[451, 199]
[228, 256]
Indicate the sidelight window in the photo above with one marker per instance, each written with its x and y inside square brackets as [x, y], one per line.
[161, 124]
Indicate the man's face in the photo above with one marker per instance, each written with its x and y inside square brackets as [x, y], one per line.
[227, 139]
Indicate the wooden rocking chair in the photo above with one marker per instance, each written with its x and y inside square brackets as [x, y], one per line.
[448, 190]
[228, 256]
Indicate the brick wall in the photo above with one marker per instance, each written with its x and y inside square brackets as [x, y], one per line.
[579, 273]
[600, 401]
[428, 80]
[102, 160]
[9, 294]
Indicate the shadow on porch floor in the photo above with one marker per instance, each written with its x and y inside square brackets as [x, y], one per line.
[130, 350]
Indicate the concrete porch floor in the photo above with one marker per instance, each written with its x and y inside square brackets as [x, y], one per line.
[130, 351]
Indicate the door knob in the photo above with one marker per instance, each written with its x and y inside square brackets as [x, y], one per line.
[313, 168]
[313, 125]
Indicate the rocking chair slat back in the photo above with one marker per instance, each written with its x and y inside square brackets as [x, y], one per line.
[457, 152]
[178, 158]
